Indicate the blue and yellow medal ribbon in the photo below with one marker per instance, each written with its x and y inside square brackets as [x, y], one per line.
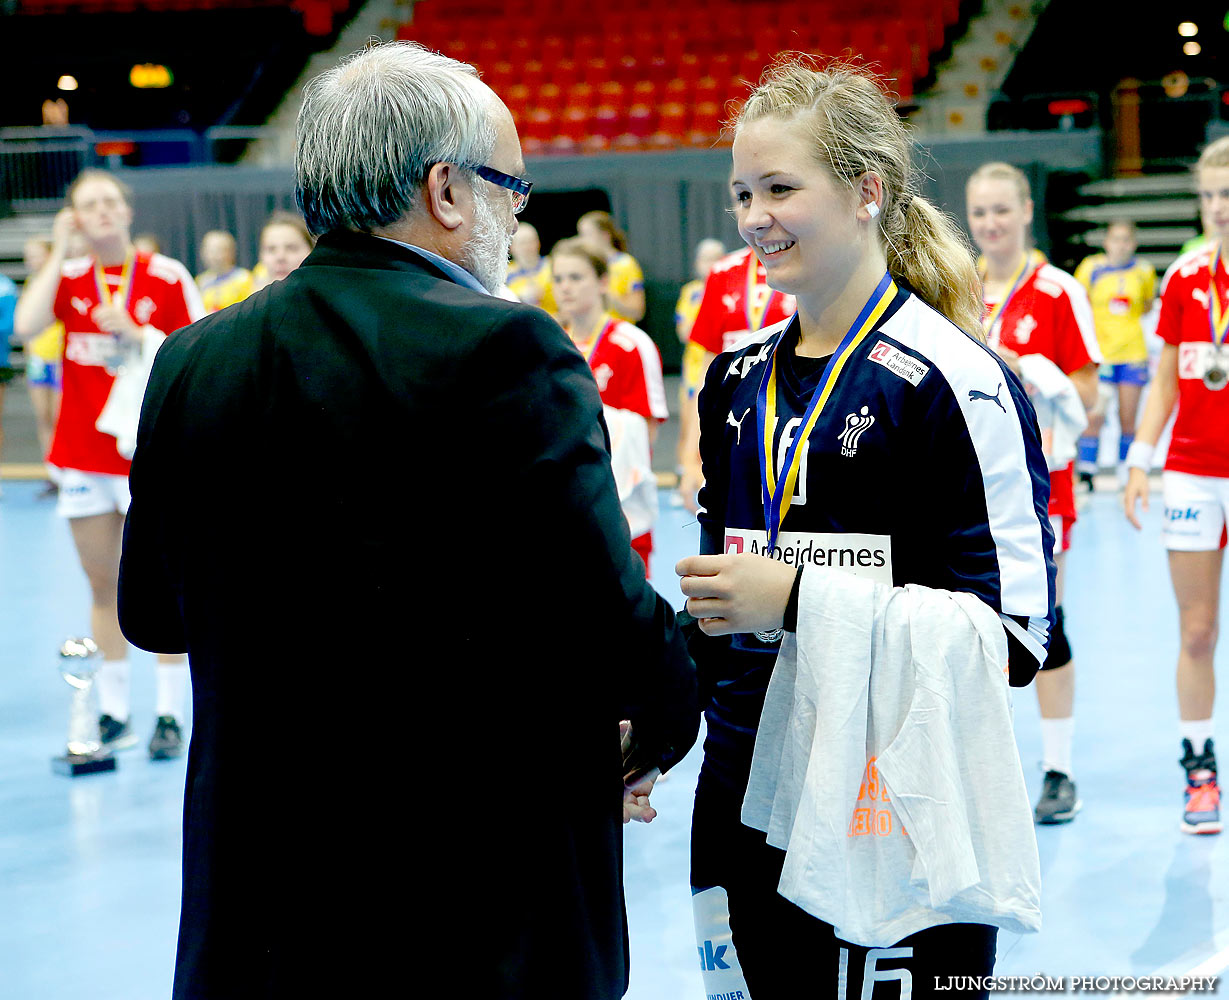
[1032, 259]
[1218, 315]
[778, 494]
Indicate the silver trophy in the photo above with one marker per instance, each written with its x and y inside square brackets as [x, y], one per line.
[85, 753]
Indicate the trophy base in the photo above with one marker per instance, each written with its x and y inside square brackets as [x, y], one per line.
[74, 764]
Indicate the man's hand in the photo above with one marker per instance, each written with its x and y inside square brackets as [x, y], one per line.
[636, 799]
[736, 593]
[690, 482]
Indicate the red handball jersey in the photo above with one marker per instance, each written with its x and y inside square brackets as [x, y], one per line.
[1050, 315]
[627, 366]
[737, 301]
[159, 293]
[1201, 426]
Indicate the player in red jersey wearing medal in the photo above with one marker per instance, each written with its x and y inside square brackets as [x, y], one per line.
[737, 301]
[1192, 372]
[113, 303]
[1033, 307]
[627, 366]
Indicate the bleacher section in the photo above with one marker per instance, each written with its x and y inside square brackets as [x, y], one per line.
[318, 15]
[641, 75]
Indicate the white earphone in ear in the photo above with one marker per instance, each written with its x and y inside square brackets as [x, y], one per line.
[872, 209]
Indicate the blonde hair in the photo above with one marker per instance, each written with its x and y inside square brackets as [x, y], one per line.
[997, 171]
[1215, 154]
[856, 131]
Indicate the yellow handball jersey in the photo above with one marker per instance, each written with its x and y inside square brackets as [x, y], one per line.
[685, 311]
[1120, 296]
[221, 290]
[625, 276]
[533, 285]
[48, 346]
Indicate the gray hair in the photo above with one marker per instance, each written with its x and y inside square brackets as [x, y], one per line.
[371, 129]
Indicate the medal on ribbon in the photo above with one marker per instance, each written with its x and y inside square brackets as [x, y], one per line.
[777, 494]
[1216, 373]
[124, 293]
[993, 320]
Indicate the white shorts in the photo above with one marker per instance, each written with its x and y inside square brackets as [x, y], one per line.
[84, 494]
[1195, 506]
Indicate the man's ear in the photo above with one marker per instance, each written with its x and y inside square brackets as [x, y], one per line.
[443, 196]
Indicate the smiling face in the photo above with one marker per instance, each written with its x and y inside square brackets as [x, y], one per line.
[999, 218]
[1214, 202]
[799, 220]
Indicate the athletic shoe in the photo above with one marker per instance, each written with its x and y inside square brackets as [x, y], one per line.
[115, 735]
[167, 741]
[1201, 807]
[1058, 802]
[1085, 480]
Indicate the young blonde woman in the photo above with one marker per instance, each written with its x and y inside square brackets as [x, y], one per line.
[115, 299]
[284, 245]
[865, 457]
[1121, 287]
[1192, 373]
[1031, 308]
[601, 235]
[627, 366]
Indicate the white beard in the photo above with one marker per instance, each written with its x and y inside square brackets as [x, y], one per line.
[485, 254]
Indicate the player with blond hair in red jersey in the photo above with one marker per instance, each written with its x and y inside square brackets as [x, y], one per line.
[1033, 307]
[1192, 372]
[113, 303]
[737, 301]
[627, 367]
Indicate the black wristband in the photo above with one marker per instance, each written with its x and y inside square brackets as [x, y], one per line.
[790, 621]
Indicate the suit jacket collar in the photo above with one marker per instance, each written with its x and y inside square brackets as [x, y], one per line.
[362, 250]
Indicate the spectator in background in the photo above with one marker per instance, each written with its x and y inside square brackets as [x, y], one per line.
[147, 243]
[708, 252]
[117, 305]
[529, 281]
[1121, 288]
[737, 300]
[44, 357]
[627, 366]
[284, 245]
[625, 299]
[223, 282]
[8, 303]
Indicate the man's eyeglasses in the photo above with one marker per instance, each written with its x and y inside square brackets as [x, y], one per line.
[519, 187]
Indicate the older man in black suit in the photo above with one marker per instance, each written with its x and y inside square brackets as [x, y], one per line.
[374, 503]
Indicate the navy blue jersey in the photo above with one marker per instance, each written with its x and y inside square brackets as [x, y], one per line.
[924, 467]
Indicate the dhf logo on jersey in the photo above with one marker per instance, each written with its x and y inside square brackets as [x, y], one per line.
[856, 424]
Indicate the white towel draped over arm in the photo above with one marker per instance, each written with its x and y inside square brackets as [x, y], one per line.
[886, 768]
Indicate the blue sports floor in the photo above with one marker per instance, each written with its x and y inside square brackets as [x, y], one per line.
[89, 867]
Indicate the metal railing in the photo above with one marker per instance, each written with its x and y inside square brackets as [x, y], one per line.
[38, 164]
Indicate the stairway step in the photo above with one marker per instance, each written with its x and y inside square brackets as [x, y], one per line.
[1155, 210]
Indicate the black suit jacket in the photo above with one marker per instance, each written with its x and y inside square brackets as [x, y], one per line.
[376, 509]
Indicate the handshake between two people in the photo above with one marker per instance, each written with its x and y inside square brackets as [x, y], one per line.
[740, 592]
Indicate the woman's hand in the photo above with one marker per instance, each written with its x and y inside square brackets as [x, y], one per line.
[1136, 490]
[736, 593]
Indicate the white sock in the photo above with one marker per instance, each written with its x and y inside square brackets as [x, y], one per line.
[54, 474]
[171, 689]
[1056, 737]
[1198, 731]
[114, 686]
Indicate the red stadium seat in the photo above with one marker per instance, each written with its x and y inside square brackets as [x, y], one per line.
[705, 124]
[562, 145]
[672, 120]
[644, 92]
[611, 94]
[606, 121]
[596, 71]
[581, 95]
[539, 124]
[533, 73]
[564, 72]
[550, 97]
[641, 121]
[707, 89]
[676, 91]
[574, 123]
